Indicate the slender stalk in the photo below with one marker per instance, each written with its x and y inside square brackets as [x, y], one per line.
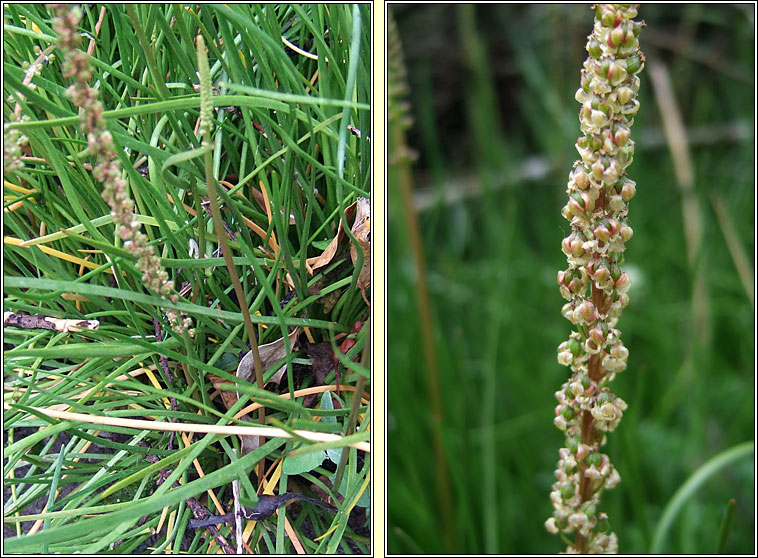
[400, 159]
[206, 107]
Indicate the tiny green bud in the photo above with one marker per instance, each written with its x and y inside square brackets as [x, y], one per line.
[628, 190]
[629, 39]
[623, 283]
[581, 179]
[604, 398]
[626, 234]
[601, 231]
[621, 136]
[624, 94]
[597, 170]
[599, 118]
[585, 81]
[625, 154]
[615, 203]
[574, 346]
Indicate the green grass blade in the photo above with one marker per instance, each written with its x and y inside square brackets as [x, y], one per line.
[689, 490]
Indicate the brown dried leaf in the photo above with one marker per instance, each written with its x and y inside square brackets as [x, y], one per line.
[229, 398]
[362, 232]
[269, 353]
[328, 254]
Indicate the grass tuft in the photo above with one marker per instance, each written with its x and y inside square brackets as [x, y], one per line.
[277, 170]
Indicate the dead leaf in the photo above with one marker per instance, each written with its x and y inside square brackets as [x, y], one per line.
[362, 232]
[249, 443]
[262, 202]
[360, 211]
[229, 398]
[330, 301]
[328, 254]
[269, 353]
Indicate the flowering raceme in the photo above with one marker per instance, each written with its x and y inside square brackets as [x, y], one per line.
[107, 167]
[594, 285]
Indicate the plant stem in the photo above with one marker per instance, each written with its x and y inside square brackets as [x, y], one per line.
[218, 224]
[400, 159]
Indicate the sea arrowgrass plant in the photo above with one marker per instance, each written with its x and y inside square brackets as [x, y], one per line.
[276, 86]
[599, 193]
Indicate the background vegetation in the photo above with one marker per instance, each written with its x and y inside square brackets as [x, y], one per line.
[291, 82]
[495, 122]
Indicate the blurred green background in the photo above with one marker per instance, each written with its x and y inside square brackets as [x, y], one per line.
[491, 91]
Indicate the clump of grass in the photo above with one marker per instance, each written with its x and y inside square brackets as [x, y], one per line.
[594, 284]
[286, 84]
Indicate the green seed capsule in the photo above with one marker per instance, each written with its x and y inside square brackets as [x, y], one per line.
[615, 271]
[573, 444]
[588, 508]
[603, 398]
[633, 64]
[594, 49]
[608, 19]
[594, 459]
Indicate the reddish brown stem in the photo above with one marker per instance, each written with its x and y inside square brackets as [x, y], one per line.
[585, 486]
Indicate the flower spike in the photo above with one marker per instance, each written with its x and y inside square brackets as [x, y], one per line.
[599, 192]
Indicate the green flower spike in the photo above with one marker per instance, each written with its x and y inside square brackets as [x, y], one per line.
[206, 91]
